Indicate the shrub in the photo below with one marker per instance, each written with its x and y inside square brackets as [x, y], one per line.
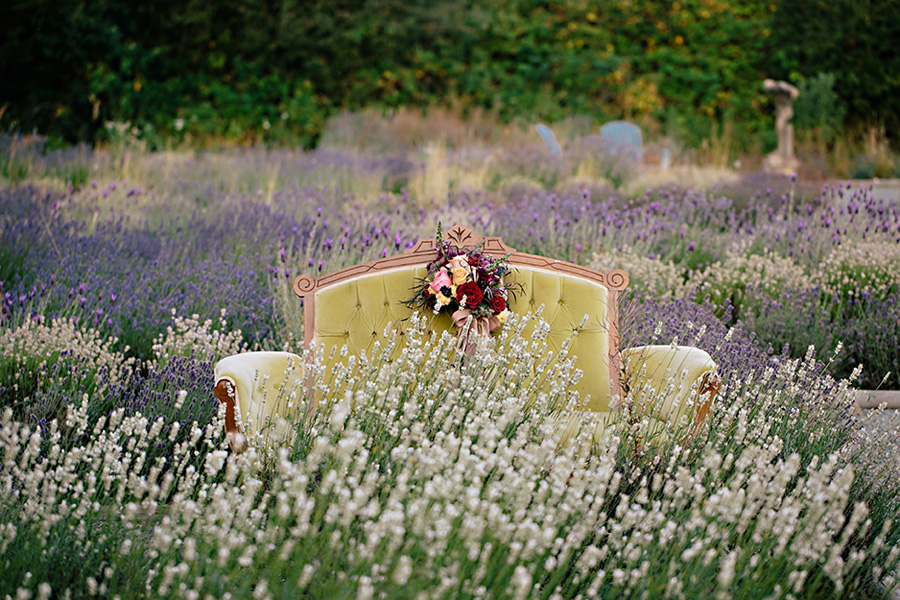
[192, 339]
[794, 320]
[727, 281]
[650, 276]
[861, 268]
[863, 168]
[818, 107]
[123, 280]
[871, 332]
[41, 362]
[437, 482]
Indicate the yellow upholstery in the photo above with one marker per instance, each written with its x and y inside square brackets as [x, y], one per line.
[265, 386]
[669, 391]
[569, 423]
[356, 312]
[566, 301]
[668, 377]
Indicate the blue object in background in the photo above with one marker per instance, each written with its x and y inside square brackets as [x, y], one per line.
[549, 139]
[623, 137]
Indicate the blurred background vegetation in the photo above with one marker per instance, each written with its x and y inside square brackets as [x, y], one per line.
[246, 72]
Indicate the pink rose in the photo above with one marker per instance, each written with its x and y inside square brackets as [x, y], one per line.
[441, 279]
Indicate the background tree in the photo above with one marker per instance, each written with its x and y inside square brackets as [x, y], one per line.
[250, 71]
[856, 42]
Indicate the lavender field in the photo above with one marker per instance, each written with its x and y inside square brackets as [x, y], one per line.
[125, 275]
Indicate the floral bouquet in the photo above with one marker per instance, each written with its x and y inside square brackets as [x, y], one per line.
[469, 285]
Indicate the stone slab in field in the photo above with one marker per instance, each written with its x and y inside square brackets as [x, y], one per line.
[623, 137]
[882, 189]
[549, 139]
[875, 398]
[886, 190]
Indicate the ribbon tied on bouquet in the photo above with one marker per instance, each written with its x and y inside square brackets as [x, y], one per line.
[470, 331]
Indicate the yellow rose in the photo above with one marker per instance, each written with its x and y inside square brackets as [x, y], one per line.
[442, 299]
[503, 316]
[458, 262]
[460, 275]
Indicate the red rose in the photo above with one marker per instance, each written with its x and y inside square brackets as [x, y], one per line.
[498, 304]
[472, 293]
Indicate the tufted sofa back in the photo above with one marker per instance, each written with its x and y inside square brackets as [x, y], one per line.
[355, 312]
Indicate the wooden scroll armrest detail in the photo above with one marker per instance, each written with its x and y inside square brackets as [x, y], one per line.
[708, 388]
[304, 285]
[225, 393]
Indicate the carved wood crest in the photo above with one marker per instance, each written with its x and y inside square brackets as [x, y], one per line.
[461, 238]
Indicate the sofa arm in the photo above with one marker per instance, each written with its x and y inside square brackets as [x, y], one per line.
[671, 382]
[257, 389]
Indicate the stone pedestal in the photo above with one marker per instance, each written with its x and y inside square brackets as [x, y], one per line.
[779, 163]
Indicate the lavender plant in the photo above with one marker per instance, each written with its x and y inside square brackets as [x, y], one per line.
[421, 475]
[125, 281]
[470, 493]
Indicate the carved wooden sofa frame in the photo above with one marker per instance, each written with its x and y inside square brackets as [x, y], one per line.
[462, 238]
[353, 305]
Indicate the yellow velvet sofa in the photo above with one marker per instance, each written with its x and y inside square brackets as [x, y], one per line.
[354, 307]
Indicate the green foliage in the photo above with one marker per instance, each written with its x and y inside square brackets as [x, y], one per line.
[265, 109]
[13, 169]
[818, 107]
[854, 42]
[863, 168]
[223, 70]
